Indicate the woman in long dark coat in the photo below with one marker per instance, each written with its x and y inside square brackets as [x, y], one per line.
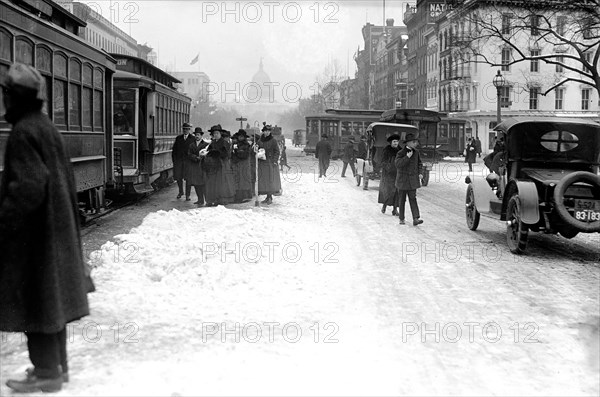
[240, 164]
[269, 181]
[387, 185]
[195, 174]
[218, 189]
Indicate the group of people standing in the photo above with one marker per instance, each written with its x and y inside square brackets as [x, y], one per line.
[324, 149]
[223, 170]
[401, 175]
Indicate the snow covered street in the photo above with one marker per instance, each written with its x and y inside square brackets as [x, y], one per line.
[322, 294]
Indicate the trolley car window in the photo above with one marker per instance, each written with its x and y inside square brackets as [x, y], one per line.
[74, 106]
[60, 102]
[5, 46]
[60, 66]
[346, 128]
[24, 52]
[124, 111]
[43, 60]
[98, 113]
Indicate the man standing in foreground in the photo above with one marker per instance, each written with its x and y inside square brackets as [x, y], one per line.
[349, 157]
[410, 173]
[323, 154]
[181, 160]
[43, 279]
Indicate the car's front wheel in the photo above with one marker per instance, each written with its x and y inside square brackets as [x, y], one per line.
[471, 212]
[516, 231]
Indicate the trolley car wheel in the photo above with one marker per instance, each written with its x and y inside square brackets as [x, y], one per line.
[516, 230]
[471, 212]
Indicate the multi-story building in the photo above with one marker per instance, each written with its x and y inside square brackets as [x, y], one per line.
[102, 33]
[466, 87]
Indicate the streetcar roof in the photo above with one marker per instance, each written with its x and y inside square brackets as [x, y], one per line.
[393, 125]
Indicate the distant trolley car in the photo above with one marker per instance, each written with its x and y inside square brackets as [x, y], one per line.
[339, 125]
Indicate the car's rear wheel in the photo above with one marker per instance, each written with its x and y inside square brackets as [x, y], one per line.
[471, 212]
[516, 231]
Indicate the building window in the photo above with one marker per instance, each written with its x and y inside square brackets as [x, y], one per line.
[505, 96]
[561, 22]
[587, 28]
[559, 95]
[585, 99]
[506, 23]
[506, 55]
[534, 93]
[588, 58]
[534, 22]
[560, 68]
[535, 63]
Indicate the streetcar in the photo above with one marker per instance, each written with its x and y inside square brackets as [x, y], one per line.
[439, 135]
[78, 79]
[339, 125]
[148, 115]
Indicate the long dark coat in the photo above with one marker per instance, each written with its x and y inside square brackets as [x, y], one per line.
[471, 150]
[349, 155]
[219, 178]
[362, 150]
[42, 272]
[242, 174]
[408, 170]
[269, 180]
[194, 173]
[179, 155]
[387, 185]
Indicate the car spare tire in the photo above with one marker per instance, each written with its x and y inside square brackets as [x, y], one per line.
[563, 213]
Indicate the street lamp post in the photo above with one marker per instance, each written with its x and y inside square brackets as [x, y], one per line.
[499, 81]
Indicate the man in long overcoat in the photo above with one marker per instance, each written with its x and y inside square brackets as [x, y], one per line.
[194, 172]
[181, 159]
[410, 172]
[388, 195]
[323, 154]
[470, 153]
[43, 278]
[269, 180]
[349, 157]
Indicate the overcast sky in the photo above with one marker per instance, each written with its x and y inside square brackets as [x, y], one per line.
[297, 39]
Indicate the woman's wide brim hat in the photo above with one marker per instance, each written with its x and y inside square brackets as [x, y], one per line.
[267, 127]
[225, 133]
[411, 136]
[215, 128]
[393, 137]
[242, 133]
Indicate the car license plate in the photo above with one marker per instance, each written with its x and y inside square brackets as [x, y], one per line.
[587, 210]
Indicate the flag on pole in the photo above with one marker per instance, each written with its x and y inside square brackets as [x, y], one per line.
[195, 59]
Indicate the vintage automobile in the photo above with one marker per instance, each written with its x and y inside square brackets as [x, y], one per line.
[377, 134]
[548, 180]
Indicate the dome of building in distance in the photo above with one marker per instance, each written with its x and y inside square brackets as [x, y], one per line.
[260, 88]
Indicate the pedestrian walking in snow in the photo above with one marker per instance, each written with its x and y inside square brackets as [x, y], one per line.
[477, 142]
[283, 157]
[269, 180]
[181, 161]
[362, 148]
[44, 280]
[323, 154]
[349, 157]
[409, 174]
[388, 195]
[219, 180]
[470, 153]
[195, 173]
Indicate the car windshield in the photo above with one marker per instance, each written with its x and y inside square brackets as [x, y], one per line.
[555, 142]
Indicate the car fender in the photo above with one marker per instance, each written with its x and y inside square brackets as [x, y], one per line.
[530, 206]
[483, 195]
